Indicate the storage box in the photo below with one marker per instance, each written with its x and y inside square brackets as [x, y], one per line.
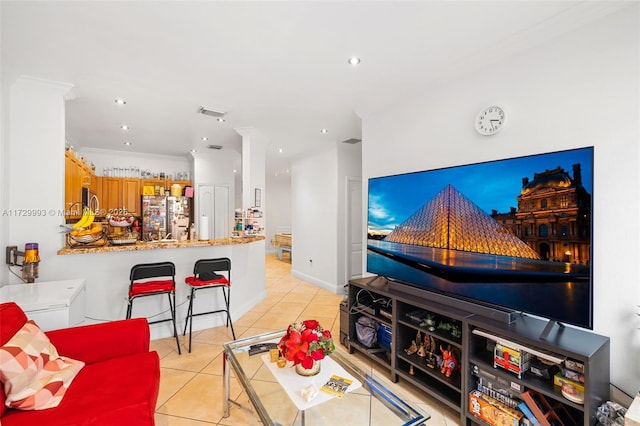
[384, 336]
[560, 380]
[492, 411]
[513, 360]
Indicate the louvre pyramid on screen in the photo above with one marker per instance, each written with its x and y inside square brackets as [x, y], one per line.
[452, 221]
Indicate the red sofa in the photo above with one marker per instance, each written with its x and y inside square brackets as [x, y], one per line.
[117, 386]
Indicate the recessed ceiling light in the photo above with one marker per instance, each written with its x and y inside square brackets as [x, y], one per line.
[127, 143]
[204, 138]
[280, 150]
[324, 131]
[193, 151]
[221, 120]
[120, 101]
[354, 60]
[124, 127]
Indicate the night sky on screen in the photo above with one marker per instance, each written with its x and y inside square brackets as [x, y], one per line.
[491, 186]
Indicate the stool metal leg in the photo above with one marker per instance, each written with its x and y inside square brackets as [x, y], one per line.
[172, 306]
[227, 301]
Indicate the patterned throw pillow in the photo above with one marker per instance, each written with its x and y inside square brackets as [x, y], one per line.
[35, 377]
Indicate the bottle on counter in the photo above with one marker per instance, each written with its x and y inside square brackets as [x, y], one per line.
[192, 232]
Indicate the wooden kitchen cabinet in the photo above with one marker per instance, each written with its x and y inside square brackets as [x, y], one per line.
[120, 195]
[78, 174]
[131, 195]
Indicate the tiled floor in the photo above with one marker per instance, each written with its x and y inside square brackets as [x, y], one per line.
[191, 383]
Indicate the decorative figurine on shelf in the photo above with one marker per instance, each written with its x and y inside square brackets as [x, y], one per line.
[421, 352]
[449, 361]
[453, 329]
[429, 322]
[431, 346]
[411, 349]
[415, 345]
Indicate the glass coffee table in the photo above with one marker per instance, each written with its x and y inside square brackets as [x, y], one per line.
[276, 393]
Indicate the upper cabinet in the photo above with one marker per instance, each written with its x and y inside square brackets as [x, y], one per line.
[78, 174]
[119, 195]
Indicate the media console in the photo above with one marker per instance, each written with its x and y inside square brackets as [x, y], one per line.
[483, 346]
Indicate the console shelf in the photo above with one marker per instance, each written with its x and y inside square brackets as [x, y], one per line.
[413, 316]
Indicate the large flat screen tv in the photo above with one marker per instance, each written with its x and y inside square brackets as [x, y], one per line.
[512, 234]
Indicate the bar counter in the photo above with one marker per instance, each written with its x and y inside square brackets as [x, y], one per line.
[141, 245]
[106, 273]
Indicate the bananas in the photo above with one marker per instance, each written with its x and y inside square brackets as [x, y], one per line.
[86, 220]
[95, 230]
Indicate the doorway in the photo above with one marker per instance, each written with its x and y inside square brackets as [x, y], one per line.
[213, 206]
[353, 230]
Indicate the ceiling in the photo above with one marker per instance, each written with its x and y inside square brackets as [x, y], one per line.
[278, 67]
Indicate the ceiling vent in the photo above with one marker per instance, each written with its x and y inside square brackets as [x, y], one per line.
[211, 112]
[352, 141]
[214, 146]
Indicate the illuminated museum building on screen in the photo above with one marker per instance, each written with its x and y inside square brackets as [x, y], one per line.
[553, 216]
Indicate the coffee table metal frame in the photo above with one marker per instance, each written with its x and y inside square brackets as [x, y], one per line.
[404, 411]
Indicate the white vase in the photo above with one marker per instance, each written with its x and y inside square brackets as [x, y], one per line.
[315, 369]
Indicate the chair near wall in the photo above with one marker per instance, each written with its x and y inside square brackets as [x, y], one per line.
[209, 273]
[154, 279]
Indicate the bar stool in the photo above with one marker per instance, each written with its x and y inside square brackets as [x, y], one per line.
[209, 273]
[153, 279]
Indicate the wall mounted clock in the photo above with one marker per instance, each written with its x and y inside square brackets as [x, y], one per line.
[490, 120]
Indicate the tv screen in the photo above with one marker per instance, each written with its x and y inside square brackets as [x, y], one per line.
[514, 234]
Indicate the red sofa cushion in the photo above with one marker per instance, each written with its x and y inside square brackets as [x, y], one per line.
[95, 398]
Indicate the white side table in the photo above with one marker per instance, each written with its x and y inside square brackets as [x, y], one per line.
[51, 304]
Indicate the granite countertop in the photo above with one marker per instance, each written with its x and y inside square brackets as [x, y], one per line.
[158, 245]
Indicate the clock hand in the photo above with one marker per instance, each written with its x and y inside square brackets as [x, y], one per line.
[491, 121]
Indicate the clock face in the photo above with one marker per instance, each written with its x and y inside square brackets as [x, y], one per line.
[490, 120]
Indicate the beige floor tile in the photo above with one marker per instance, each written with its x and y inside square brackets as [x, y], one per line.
[276, 321]
[242, 413]
[254, 331]
[320, 310]
[200, 356]
[287, 309]
[164, 346]
[166, 420]
[216, 335]
[298, 297]
[248, 319]
[171, 381]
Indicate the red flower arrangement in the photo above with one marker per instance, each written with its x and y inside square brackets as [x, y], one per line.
[305, 343]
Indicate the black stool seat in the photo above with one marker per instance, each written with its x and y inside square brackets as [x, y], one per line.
[210, 273]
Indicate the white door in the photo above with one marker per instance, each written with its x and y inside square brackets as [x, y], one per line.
[354, 228]
[204, 209]
[221, 219]
[213, 204]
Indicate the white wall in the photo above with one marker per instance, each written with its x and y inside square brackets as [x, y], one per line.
[314, 219]
[580, 90]
[278, 212]
[35, 166]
